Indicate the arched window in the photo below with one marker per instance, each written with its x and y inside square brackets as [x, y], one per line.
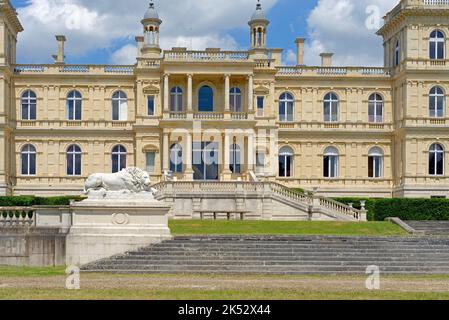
[74, 105]
[206, 99]
[118, 158]
[29, 101]
[286, 162]
[28, 160]
[330, 163]
[397, 54]
[375, 163]
[286, 106]
[235, 159]
[436, 102]
[437, 45]
[331, 107]
[119, 106]
[74, 155]
[376, 108]
[176, 99]
[436, 160]
[235, 99]
[176, 164]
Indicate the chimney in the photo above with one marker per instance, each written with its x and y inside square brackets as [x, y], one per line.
[300, 51]
[326, 59]
[60, 57]
[139, 41]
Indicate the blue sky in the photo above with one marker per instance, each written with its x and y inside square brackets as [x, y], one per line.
[102, 31]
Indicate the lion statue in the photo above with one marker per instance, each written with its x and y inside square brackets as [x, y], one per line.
[131, 179]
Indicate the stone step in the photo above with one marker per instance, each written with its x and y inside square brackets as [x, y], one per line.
[262, 269]
[280, 263]
[283, 255]
[283, 258]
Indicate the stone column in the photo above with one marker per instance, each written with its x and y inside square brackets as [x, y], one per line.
[166, 93]
[189, 93]
[166, 153]
[250, 156]
[250, 94]
[226, 160]
[226, 93]
[189, 166]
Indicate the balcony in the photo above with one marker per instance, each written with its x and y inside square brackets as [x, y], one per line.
[207, 116]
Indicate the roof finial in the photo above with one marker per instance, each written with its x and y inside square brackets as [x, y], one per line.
[259, 5]
[151, 4]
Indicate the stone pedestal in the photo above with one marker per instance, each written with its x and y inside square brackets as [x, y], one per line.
[103, 227]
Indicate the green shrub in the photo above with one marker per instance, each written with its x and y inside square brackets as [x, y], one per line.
[403, 208]
[28, 201]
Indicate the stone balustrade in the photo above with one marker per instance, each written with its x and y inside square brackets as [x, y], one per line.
[251, 195]
[17, 217]
[53, 69]
[333, 71]
[84, 124]
[191, 55]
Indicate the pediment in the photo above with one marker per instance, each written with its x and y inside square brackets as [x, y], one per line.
[151, 89]
[261, 90]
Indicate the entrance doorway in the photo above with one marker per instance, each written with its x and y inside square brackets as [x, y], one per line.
[205, 161]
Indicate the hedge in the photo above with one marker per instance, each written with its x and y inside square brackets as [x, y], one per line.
[28, 201]
[403, 208]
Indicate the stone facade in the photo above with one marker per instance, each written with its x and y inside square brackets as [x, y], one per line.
[75, 120]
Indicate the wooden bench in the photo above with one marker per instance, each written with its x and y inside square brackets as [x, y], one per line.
[221, 214]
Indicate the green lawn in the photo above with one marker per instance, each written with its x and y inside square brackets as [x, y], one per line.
[49, 284]
[191, 294]
[205, 227]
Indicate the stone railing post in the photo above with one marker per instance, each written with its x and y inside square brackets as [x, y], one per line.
[363, 211]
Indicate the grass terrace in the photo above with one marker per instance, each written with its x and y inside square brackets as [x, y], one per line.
[206, 227]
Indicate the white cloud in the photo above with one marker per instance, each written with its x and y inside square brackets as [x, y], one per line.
[339, 26]
[124, 55]
[101, 24]
[290, 58]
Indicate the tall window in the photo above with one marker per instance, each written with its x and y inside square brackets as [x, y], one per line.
[176, 99]
[235, 159]
[151, 106]
[330, 163]
[260, 162]
[286, 105]
[28, 159]
[235, 97]
[206, 99]
[331, 107]
[74, 155]
[376, 108]
[119, 106]
[74, 105]
[260, 106]
[118, 158]
[375, 163]
[436, 102]
[436, 160]
[397, 54]
[286, 162]
[150, 158]
[29, 102]
[176, 164]
[437, 44]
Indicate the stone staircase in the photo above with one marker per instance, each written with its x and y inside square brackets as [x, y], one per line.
[261, 201]
[430, 227]
[283, 255]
